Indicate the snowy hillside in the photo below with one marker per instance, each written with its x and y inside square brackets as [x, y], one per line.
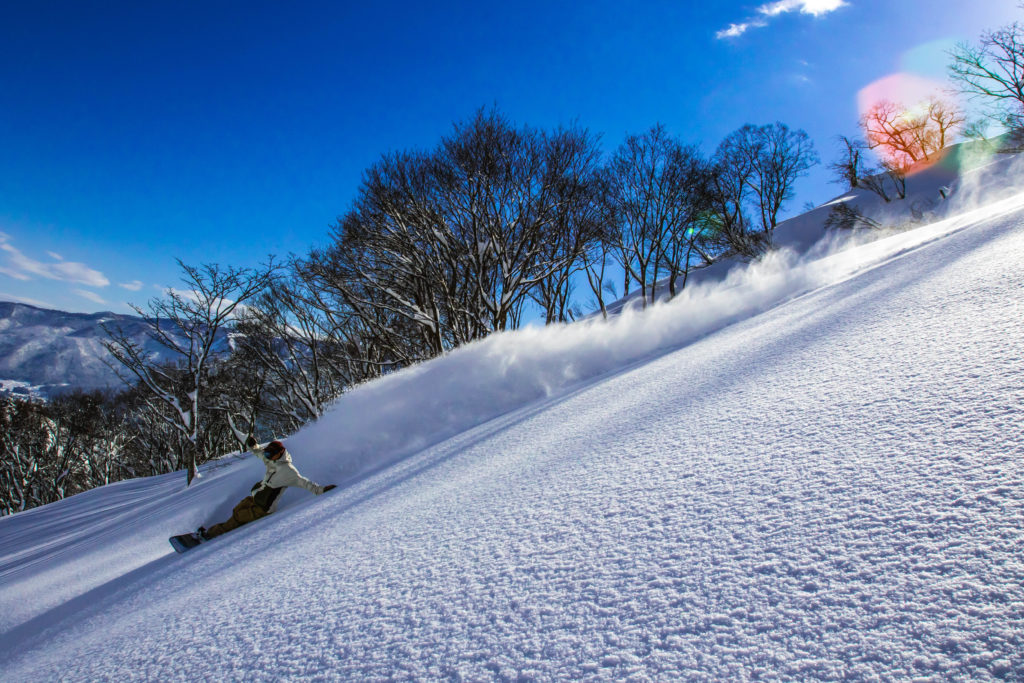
[808, 468]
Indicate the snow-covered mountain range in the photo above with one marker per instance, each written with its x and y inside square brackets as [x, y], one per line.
[807, 468]
[43, 352]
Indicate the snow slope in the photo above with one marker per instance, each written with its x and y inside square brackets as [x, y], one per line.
[811, 470]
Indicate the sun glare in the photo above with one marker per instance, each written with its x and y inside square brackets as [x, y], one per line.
[904, 88]
[909, 119]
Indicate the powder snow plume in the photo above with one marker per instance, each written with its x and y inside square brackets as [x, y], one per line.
[388, 419]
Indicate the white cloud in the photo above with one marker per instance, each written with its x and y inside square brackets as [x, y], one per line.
[91, 296]
[736, 30]
[184, 294]
[17, 275]
[5, 296]
[132, 286]
[22, 267]
[78, 272]
[55, 256]
[194, 297]
[815, 8]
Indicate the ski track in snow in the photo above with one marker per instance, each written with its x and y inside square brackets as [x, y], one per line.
[832, 489]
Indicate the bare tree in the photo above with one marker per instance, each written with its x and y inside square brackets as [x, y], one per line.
[504, 196]
[850, 168]
[396, 262]
[655, 186]
[730, 192]
[695, 242]
[358, 293]
[28, 474]
[897, 177]
[904, 137]
[296, 352]
[595, 261]
[54, 449]
[892, 131]
[190, 325]
[574, 170]
[786, 155]
[994, 71]
[445, 247]
[759, 166]
[879, 182]
[977, 129]
[943, 121]
[888, 180]
[694, 227]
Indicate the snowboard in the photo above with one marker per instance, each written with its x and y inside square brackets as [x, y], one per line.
[184, 542]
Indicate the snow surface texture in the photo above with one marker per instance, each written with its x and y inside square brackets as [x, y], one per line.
[814, 470]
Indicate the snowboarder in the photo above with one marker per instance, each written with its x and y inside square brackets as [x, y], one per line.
[281, 473]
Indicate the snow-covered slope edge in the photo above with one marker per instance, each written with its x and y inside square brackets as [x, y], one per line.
[389, 419]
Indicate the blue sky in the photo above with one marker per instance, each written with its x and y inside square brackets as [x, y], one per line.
[135, 133]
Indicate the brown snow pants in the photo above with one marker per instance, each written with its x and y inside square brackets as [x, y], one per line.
[246, 511]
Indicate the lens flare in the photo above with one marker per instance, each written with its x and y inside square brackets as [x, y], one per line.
[929, 60]
[909, 120]
[898, 87]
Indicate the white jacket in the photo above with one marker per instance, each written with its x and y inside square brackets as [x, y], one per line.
[281, 473]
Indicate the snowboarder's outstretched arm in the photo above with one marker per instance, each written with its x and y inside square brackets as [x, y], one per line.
[287, 475]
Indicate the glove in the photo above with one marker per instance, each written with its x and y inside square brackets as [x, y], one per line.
[250, 442]
[329, 487]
